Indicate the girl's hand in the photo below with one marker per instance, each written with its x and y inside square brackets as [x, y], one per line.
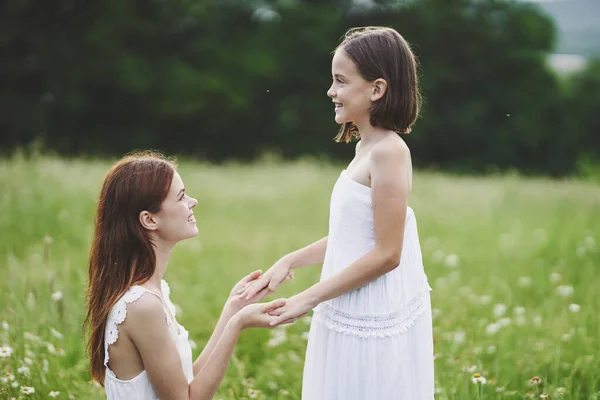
[295, 307]
[275, 276]
[257, 315]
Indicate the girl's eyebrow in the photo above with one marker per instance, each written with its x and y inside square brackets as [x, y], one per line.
[181, 191]
[338, 76]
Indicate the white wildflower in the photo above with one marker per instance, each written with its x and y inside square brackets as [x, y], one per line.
[294, 357]
[28, 361]
[53, 394]
[491, 349]
[574, 308]
[564, 290]
[499, 310]
[459, 337]
[56, 296]
[23, 370]
[27, 390]
[525, 281]
[478, 379]
[485, 299]
[56, 333]
[5, 351]
[555, 277]
[492, 329]
[438, 256]
[5, 325]
[519, 310]
[278, 336]
[451, 260]
[32, 337]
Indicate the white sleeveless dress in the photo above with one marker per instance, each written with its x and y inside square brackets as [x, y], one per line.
[140, 388]
[376, 342]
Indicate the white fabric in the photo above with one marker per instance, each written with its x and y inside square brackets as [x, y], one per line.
[376, 342]
[140, 388]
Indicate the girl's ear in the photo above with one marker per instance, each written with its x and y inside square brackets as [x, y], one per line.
[379, 88]
[147, 221]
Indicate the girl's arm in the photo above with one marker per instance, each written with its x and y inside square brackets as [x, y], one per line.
[389, 191]
[312, 254]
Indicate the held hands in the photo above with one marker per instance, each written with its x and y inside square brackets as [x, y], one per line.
[294, 308]
[259, 315]
[236, 302]
[275, 276]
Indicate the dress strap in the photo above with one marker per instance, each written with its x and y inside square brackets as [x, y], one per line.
[118, 313]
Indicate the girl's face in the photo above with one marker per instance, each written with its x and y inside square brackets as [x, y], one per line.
[350, 93]
[175, 221]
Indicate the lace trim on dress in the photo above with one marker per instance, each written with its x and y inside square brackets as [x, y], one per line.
[370, 325]
[118, 314]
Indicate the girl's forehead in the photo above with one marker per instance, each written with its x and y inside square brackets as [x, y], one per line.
[342, 62]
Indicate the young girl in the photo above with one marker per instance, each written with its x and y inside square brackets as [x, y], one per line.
[137, 349]
[371, 332]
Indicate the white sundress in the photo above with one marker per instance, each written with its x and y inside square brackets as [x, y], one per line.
[139, 387]
[376, 342]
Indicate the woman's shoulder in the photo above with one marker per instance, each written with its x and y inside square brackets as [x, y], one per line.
[143, 313]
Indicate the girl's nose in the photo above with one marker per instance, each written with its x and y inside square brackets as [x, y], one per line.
[193, 202]
[331, 92]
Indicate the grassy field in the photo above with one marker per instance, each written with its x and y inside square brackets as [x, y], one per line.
[513, 263]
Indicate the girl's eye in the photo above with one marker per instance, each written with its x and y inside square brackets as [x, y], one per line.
[182, 196]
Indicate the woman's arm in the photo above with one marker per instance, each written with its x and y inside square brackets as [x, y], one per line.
[146, 327]
[231, 307]
[389, 191]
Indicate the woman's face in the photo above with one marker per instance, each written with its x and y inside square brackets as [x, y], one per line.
[175, 221]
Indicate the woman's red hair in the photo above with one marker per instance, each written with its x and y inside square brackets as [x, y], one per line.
[122, 252]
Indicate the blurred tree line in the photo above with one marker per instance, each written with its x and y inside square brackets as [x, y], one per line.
[231, 79]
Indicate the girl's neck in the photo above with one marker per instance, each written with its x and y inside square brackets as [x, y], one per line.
[370, 134]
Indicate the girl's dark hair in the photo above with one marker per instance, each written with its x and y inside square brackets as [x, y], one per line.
[380, 52]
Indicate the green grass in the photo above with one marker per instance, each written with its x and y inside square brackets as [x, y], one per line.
[487, 242]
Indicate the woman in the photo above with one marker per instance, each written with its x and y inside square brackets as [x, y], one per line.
[137, 349]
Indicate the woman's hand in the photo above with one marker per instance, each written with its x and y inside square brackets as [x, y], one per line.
[275, 276]
[258, 315]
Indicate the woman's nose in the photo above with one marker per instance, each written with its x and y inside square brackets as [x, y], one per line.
[193, 202]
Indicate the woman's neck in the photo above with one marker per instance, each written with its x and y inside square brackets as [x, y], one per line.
[162, 252]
